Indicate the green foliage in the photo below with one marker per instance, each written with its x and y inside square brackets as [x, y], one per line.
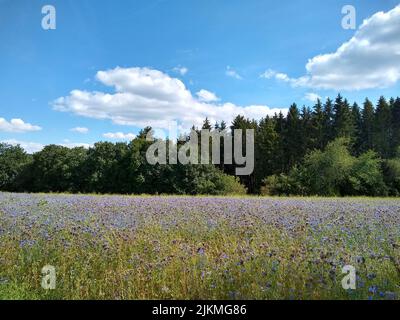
[229, 185]
[383, 131]
[310, 151]
[366, 177]
[278, 185]
[367, 126]
[343, 120]
[13, 160]
[207, 179]
[392, 176]
[332, 172]
[325, 172]
[56, 169]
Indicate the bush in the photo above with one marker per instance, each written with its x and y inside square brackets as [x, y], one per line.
[391, 169]
[334, 172]
[230, 185]
[283, 185]
[366, 177]
[207, 179]
[13, 161]
[326, 172]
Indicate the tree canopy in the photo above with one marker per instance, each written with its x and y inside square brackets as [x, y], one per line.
[334, 148]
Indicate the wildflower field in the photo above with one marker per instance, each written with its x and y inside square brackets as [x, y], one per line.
[117, 247]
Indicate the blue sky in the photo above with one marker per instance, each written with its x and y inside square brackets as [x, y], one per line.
[181, 47]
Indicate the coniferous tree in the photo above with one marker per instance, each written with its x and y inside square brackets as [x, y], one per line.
[356, 116]
[206, 125]
[306, 131]
[292, 138]
[240, 122]
[396, 127]
[382, 128]
[266, 144]
[280, 123]
[343, 124]
[318, 129]
[367, 127]
[328, 122]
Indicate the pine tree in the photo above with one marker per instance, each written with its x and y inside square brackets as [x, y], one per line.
[206, 125]
[356, 116]
[292, 138]
[266, 144]
[306, 130]
[328, 122]
[222, 126]
[367, 126]
[240, 122]
[396, 127]
[318, 122]
[382, 128]
[279, 124]
[343, 125]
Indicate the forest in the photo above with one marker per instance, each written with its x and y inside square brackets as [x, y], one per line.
[334, 148]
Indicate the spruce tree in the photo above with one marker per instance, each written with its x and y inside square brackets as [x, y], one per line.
[318, 123]
[367, 126]
[356, 117]
[382, 129]
[396, 127]
[343, 124]
[328, 122]
[292, 139]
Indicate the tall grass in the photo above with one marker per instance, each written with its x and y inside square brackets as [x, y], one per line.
[186, 257]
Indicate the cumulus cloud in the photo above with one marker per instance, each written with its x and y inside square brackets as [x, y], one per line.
[232, 73]
[17, 125]
[80, 130]
[370, 59]
[119, 136]
[207, 96]
[29, 147]
[147, 97]
[313, 97]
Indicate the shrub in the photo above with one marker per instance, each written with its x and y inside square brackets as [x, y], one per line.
[391, 169]
[366, 177]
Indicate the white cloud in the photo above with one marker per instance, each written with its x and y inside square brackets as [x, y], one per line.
[181, 70]
[232, 73]
[82, 130]
[119, 136]
[17, 125]
[147, 97]
[32, 147]
[29, 147]
[313, 97]
[72, 145]
[370, 59]
[268, 74]
[207, 96]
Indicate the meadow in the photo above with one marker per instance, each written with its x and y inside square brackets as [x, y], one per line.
[121, 247]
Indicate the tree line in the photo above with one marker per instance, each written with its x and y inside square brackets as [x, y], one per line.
[333, 148]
